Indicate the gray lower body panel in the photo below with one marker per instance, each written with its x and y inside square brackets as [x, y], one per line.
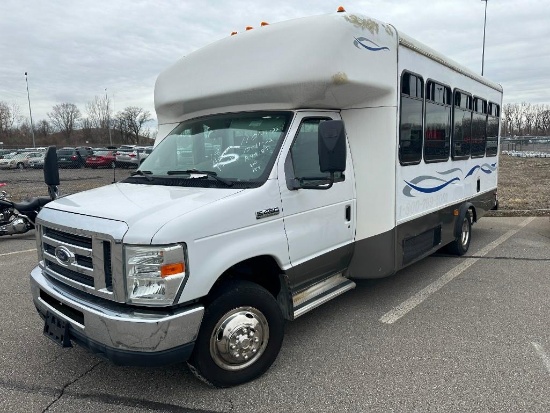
[384, 254]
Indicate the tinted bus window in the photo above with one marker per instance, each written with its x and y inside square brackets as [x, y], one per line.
[462, 125]
[492, 129]
[437, 134]
[410, 125]
[479, 128]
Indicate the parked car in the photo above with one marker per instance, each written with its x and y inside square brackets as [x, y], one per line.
[17, 160]
[101, 158]
[72, 157]
[37, 160]
[131, 158]
[140, 154]
[4, 152]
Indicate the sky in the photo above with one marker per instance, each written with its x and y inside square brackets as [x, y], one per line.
[74, 51]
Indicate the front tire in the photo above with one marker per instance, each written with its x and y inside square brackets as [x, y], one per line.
[240, 336]
[461, 244]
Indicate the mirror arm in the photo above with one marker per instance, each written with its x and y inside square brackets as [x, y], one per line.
[297, 183]
[53, 192]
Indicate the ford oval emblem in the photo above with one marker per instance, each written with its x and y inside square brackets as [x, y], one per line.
[63, 255]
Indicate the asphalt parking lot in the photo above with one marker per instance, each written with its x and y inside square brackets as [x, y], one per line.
[446, 334]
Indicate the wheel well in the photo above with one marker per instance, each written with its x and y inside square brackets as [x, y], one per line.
[261, 270]
[473, 214]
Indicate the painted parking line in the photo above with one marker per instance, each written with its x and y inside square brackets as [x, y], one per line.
[543, 355]
[402, 309]
[17, 252]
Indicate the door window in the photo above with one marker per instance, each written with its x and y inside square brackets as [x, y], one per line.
[305, 152]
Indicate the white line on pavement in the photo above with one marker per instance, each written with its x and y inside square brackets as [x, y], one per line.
[543, 355]
[16, 252]
[397, 312]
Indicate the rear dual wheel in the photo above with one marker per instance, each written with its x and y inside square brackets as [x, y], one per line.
[240, 336]
[461, 244]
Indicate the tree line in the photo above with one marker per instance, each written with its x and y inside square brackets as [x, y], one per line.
[67, 126]
[525, 119]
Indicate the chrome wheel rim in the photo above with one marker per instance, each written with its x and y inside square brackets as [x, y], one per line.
[465, 236]
[239, 338]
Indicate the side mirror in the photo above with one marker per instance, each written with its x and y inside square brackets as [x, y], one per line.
[332, 146]
[51, 171]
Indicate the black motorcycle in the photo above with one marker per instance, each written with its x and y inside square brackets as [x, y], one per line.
[19, 217]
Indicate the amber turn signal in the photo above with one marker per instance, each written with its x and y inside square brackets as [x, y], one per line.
[170, 269]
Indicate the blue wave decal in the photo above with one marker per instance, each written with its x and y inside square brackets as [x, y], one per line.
[488, 168]
[433, 189]
[413, 183]
[472, 171]
[359, 42]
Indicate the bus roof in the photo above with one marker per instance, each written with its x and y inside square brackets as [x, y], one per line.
[332, 61]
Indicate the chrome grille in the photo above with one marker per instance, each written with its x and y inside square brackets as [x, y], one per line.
[83, 252]
[78, 259]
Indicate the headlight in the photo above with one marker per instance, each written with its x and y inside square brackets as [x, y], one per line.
[154, 274]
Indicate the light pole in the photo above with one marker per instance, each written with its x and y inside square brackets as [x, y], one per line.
[30, 111]
[108, 118]
[484, 24]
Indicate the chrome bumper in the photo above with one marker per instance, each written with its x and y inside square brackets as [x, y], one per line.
[120, 333]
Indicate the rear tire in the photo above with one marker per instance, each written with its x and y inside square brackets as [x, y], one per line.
[240, 336]
[461, 244]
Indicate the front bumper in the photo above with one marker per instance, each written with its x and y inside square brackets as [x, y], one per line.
[122, 334]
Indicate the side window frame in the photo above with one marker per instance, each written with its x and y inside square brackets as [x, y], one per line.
[411, 96]
[493, 114]
[477, 110]
[445, 101]
[462, 108]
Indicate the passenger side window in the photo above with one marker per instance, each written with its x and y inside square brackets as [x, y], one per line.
[462, 125]
[492, 129]
[305, 152]
[479, 128]
[410, 126]
[437, 134]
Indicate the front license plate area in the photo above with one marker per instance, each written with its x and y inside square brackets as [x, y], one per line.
[57, 330]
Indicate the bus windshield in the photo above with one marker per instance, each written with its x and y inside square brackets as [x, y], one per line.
[239, 147]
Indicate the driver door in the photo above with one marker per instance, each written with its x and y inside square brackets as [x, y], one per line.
[319, 223]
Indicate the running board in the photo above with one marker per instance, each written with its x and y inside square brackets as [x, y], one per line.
[320, 293]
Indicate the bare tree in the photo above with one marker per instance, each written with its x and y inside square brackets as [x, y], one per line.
[43, 128]
[545, 120]
[9, 115]
[507, 118]
[64, 118]
[131, 122]
[528, 112]
[99, 116]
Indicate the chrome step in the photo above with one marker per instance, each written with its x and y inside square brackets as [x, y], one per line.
[320, 293]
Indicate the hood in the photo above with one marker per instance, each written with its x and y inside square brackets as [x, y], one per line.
[131, 203]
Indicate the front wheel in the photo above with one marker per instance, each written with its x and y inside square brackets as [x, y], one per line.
[240, 336]
[20, 165]
[461, 244]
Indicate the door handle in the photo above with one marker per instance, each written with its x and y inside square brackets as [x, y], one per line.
[348, 213]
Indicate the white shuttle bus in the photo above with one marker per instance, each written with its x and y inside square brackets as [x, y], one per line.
[291, 160]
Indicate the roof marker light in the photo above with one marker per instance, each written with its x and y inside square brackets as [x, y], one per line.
[264, 24]
[340, 9]
[249, 27]
[233, 33]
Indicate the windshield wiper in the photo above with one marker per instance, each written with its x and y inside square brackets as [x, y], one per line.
[145, 174]
[210, 174]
